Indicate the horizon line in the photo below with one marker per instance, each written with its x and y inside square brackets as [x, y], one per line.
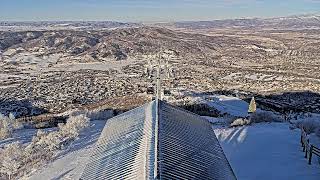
[165, 21]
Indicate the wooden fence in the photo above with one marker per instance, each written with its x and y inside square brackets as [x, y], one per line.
[308, 148]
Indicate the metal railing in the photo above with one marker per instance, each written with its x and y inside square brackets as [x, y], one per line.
[308, 148]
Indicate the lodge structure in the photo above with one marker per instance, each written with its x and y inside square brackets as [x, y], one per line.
[157, 141]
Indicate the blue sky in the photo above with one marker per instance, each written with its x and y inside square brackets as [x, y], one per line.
[151, 10]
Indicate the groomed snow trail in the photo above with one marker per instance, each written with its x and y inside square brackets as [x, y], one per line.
[266, 151]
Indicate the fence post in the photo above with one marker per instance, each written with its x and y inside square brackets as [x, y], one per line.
[306, 147]
[310, 154]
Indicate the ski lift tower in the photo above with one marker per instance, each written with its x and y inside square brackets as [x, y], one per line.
[159, 64]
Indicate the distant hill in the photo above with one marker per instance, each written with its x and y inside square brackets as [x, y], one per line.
[115, 44]
[290, 22]
[64, 25]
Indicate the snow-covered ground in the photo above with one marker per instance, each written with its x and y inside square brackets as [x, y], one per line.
[231, 105]
[23, 135]
[266, 151]
[255, 77]
[262, 151]
[70, 162]
[224, 104]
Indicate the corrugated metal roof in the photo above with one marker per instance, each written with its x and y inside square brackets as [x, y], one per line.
[188, 147]
[158, 141]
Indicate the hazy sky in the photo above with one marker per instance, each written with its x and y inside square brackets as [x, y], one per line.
[151, 10]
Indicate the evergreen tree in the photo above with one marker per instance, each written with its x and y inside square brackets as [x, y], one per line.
[252, 106]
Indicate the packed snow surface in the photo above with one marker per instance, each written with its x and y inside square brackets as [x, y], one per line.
[266, 151]
[231, 105]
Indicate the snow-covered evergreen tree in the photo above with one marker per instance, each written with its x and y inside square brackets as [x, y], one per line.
[252, 106]
[11, 116]
[53, 141]
[14, 122]
[5, 127]
[74, 125]
[11, 159]
[16, 158]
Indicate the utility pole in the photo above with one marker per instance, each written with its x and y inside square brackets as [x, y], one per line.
[158, 94]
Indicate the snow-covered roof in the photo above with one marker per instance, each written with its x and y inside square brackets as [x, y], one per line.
[157, 141]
